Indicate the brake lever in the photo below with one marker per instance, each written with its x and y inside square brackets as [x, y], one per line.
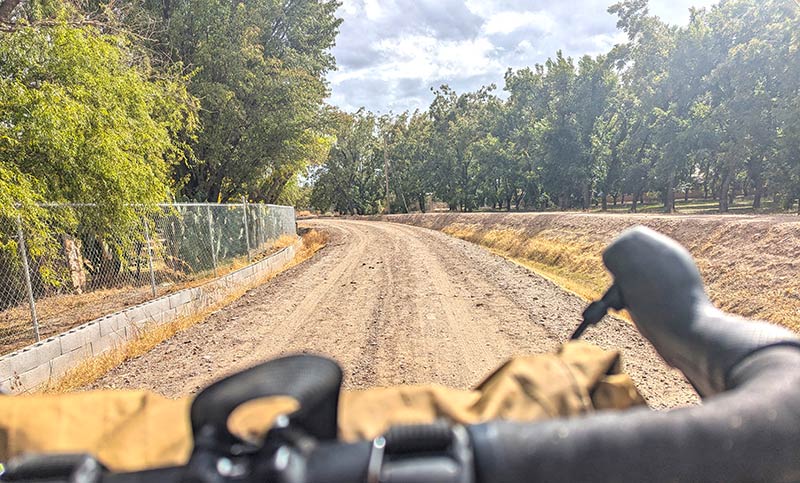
[598, 309]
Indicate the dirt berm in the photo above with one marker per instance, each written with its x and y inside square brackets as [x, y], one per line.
[751, 264]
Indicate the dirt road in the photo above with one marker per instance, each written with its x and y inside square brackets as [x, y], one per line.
[394, 304]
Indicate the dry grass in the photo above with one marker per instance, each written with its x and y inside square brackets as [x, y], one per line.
[572, 264]
[313, 241]
[92, 369]
[283, 242]
[750, 265]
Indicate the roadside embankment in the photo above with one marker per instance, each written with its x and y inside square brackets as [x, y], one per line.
[751, 264]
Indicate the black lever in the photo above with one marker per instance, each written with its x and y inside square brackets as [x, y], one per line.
[312, 381]
[595, 312]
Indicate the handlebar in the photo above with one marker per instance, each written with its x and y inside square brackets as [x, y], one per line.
[748, 428]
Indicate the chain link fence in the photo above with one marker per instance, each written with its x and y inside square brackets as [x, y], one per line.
[91, 275]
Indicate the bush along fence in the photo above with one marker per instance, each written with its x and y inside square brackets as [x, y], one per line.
[89, 272]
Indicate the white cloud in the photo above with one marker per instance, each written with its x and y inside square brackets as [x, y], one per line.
[482, 8]
[373, 9]
[425, 58]
[391, 52]
[507, 22]
[677, 11]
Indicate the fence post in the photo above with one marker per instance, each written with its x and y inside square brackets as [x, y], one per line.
[211, 237]
[23, 253]
[246, 229]
[150, 256]
[263, 238]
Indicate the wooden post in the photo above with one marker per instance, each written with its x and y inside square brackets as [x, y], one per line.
[23, 253]
[150, 257]
[246, 229]
[211, 239]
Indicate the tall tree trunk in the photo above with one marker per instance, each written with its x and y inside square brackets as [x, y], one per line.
[758, 192]
[604, 202]
[714, 189]
[622, 201]
[686, 195]
[213, 193]
[388, 208]
[669, 199]
[562, 202]
[723, 192]
[587, 195]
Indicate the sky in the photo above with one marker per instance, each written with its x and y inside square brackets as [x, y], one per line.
[391, 52]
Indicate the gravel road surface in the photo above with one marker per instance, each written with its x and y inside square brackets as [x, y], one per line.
[394, 304]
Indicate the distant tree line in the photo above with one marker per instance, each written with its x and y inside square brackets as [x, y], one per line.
[711, 109]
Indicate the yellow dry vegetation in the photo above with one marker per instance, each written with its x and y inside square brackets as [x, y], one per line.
[92, 369]
[573, 264]
[750, 264]
[313, 241]
[283, 241]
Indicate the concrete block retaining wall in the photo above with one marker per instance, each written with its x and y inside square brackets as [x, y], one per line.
[36, 365]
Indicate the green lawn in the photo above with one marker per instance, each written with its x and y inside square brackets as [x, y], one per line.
[740, 206]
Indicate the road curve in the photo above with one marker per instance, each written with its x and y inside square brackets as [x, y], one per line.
[394, 304]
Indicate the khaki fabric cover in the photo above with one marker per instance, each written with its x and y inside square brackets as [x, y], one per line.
[131, 430]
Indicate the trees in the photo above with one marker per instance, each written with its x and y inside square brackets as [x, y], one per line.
[558, 108]
[404, 137]
[459, 121]
[710, 92]
[259, 71]
[711, 106]
[251, 73]
[351, 180]
[460, 124]
[750, 91]
[84, 120]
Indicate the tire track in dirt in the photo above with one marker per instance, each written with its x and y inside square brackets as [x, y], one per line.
[393, 304]
[452, 332]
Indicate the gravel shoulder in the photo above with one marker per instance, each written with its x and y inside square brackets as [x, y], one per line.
[394, 304]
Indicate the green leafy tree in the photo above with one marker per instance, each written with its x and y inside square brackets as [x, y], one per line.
[259, 72]
[351, 181]
[83, 119]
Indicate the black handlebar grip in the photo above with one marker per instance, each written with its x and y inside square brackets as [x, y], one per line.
[661, 286]
[312, 381]
[663, 291]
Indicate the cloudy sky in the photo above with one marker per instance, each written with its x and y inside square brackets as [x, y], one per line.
[391, 52]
